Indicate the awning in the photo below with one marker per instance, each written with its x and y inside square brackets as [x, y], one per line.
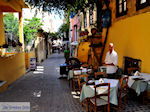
[12, 5]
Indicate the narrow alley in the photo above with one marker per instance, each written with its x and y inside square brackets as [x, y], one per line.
[43, 89]
[46, 92]
[102, 46]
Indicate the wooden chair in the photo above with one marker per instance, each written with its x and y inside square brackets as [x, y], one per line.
[75, 81]
[82, 79]
[95, 68]
[123, 91]
[102, 74]
[85, 65]
[97, 101]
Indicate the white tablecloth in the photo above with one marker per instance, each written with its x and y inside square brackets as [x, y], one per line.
[140, 85]
[88, 91]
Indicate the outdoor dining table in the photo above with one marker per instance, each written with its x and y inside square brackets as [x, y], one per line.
[77, 72]
[88, 90]
[139, 83]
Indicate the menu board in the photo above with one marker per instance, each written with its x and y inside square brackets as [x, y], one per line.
[32, 63]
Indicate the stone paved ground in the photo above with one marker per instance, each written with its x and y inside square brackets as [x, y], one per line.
[47, 93]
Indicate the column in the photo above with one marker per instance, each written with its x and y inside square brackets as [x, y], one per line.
[21, 37]
[2, 34]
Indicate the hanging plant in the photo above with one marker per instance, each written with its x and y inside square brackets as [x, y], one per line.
[93, 31]
[81, 33]
[86, 32]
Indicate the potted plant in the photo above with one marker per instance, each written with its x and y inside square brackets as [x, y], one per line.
[86, 32]
[5, 46]
[93, 31]
[81, 33]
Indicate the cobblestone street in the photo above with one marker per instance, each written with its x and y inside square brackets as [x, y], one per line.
[43, 89]
[47, 93]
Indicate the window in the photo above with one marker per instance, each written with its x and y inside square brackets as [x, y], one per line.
[85, 20]
[140, 4]
[143, 1]
[121, 7]
[91, 16]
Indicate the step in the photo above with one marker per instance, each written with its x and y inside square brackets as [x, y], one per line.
[3, 86]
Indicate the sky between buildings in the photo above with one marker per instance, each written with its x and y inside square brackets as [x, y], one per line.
[51, 22]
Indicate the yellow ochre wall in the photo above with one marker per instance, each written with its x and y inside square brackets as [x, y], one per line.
[83, 50]
[28, 56]
[12, 67]
[131, 37]
[2, 39]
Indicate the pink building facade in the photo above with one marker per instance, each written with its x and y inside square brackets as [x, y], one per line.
[74, 28]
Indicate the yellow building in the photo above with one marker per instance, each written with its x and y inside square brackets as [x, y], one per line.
[89, 19]
[11, 67]
[130, 31]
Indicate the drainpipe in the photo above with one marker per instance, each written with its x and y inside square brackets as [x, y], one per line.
[99, 15]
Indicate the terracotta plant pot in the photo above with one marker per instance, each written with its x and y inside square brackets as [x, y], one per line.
[93, 31]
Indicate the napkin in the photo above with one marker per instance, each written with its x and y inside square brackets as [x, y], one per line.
[76, 72]
[84, 70]
[101, 80]
[137, 73]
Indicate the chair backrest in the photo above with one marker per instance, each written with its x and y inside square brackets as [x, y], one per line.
[80, 77]
[123, 90]
[96, 74]
[119, 71]
[77, 71]
[124, 82]
[107, 93]
[85, 65]
[76, 74]
[95, 68]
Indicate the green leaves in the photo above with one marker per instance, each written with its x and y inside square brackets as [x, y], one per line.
[57, 5]
[31, 27]
[64, 28]
[54, 35]
[11, 24]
